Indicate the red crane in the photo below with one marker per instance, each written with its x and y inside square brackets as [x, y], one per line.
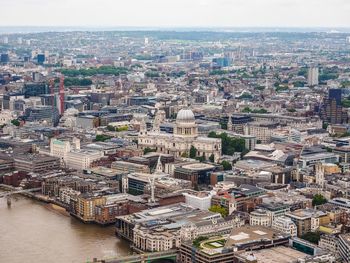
[52, 91]
[61, 93]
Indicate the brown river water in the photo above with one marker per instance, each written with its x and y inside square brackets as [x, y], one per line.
[32, 232]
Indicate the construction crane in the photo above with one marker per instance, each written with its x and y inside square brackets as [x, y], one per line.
[52, 91]
[61, 94]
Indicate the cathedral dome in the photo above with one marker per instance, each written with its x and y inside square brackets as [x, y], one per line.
[185, 116]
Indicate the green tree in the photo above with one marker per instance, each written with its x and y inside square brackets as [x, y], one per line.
[302, 72]
[226, 165]
[246, 110]
[229, 145]
[201, 158]
[298, 84]
[212, 158]
[312, 237]
[15, 122]
[199, 240]
[105, 70]
[219, 209]
[223, 125]
[318, 200]
[246, 96]
[184, 155]
[193, 152]
[111, 128]
[122, 128]
[148, 150]
[102, 137]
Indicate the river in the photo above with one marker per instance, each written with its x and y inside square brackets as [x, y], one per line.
[33, 232]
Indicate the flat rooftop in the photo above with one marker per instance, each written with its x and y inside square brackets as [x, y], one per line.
[279, 254]
[247, 234]
[198, 166]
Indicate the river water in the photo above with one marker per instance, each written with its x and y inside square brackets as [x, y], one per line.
[32, 232]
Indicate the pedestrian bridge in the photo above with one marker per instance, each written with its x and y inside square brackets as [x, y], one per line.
[21, 191]
[156, 257]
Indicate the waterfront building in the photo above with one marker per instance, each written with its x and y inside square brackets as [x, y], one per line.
[164, 228]
[37, 163]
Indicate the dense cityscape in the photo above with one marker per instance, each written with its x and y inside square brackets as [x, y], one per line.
[184, 146]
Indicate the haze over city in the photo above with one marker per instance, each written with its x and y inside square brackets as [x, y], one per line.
[176, 13]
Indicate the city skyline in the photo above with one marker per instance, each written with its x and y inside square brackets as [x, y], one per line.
[156, 13]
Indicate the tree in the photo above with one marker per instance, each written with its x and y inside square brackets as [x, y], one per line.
[199, 240]
[229, 145]
[102, 138]
[184, 155]
[106, 70]
[193, 152]
[212, 158]
[219, 209]
[227, 166]
[148, 150]
[246, 95]
[201, 158]
[15, 122]
[122, 128]
[223, 125]
[312, 237]
[318, 200]
[110, 128]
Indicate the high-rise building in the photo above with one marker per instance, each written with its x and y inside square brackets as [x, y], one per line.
[5, 40]
[41, 58]
[312, 76]
[332, 110]
[19, 41]
[4, 58]
[335, 94]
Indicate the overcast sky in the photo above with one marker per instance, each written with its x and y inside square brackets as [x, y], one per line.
[176, 13]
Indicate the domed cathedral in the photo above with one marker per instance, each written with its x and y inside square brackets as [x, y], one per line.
[179, 143]
[185, 124]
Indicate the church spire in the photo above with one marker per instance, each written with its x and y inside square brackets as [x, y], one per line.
[159, 167]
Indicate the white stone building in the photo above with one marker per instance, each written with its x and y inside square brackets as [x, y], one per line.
[259, 217]
[285, 225]
[200, 200]
[72, 156]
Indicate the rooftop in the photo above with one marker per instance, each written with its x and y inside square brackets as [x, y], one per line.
[279, 254]
[248, 234]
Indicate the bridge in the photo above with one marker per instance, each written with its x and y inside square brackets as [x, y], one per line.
[20, 191]
[155, 257]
